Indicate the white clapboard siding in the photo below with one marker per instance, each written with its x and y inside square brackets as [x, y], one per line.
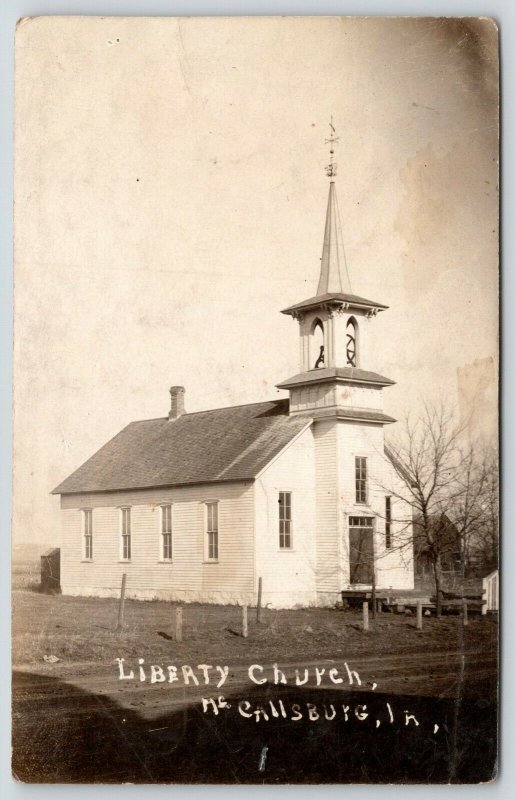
[187, 576]
[288, 574]
[327, 527]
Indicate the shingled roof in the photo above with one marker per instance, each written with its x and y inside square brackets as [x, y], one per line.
[227, 444]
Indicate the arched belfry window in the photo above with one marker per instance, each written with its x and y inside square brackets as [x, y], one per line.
[352, 342]
[318, 340]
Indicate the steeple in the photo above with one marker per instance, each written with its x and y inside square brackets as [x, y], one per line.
[333, 254]
[335, 355]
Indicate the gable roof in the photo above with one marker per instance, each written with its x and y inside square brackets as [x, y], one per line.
[398, 465]
[227, 444]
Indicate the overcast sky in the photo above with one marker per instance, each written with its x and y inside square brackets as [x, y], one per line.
[170, 201]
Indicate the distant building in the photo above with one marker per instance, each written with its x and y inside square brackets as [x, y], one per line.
[448, 544]
[297, 491]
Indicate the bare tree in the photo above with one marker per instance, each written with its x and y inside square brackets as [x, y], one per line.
[443, 479]
[482, 542]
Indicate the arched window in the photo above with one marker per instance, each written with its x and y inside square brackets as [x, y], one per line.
[352, 342]
[318, 344]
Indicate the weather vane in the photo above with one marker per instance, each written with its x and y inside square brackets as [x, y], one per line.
[332, 166]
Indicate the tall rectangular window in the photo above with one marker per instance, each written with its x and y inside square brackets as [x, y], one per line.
[388, 522]
[88, 533]
[166, 532]
[284, 520]
[361, 479]
[212, 531]
[126, 534]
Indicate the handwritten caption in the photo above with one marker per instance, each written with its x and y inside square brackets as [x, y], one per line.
[259, 675]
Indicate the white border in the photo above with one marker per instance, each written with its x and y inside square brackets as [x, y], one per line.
[504, 12]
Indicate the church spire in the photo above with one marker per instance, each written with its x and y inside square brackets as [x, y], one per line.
[333, 253]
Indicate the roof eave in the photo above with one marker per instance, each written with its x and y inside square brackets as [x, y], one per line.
[298, 308]
[248, 479]
[381, 419]
[338, 378]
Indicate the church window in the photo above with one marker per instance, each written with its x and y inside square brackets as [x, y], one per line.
[126, 534]
[285, 520]
[166, 532]
[352, 339]
[388, 522]
[212, 531]
[87, 520]
[361, 479]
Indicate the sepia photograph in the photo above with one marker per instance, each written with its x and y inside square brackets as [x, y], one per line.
[256, 400]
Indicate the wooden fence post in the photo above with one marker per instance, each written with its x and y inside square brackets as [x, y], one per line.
[244, 622]
[365, 616]
[121, 607]
[374, 600]
[178, 624]
[258, 607]
[465, 613]
[439, 603]
[419, 615]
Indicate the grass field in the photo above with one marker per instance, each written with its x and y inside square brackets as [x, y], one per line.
[84, 630]
[26, 566]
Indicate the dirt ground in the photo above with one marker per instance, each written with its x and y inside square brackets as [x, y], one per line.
[445, 675]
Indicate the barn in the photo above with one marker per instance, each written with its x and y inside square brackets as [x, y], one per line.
[297, 491]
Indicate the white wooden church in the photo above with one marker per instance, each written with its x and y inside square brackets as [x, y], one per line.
[298, 491]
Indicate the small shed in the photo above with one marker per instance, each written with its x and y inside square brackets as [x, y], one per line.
[491, 592]
[51, 571]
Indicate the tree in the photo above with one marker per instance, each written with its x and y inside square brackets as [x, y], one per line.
[483, 540]
[445, 480]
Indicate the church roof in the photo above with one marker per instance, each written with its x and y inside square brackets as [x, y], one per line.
[227, 444]
[344, 374]
[336, 299]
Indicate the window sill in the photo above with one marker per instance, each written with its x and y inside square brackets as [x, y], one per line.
[86, 561]
[211, 561]
[165, 561]
[125, 561]
[286, 550]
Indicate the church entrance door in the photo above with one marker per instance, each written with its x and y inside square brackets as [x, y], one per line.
[361, 549]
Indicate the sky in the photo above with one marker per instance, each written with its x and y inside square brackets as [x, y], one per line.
[170, 200]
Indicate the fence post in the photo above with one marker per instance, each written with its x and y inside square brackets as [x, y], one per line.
[365, 616]
[244, 622]
[484, 598]
[374, 601]
[258, 607]
[419, 615]
[465, 613]
[121, 607]
[178, 624]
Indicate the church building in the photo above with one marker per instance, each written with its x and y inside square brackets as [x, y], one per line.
[298, 491]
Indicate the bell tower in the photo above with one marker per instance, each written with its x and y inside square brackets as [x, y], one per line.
[334, 334]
